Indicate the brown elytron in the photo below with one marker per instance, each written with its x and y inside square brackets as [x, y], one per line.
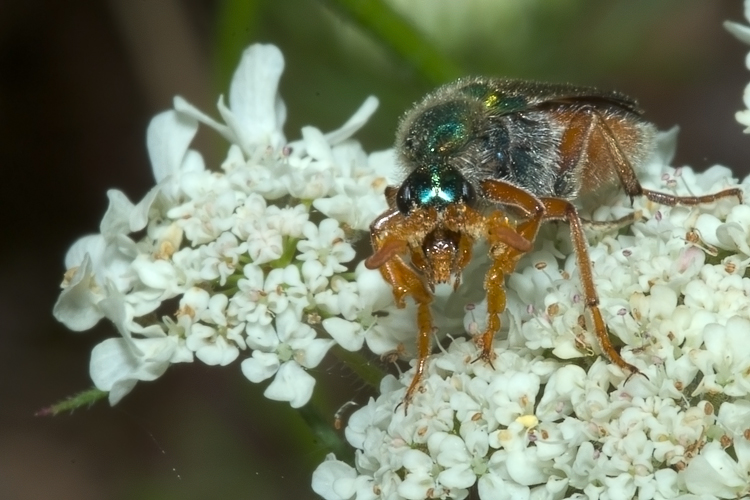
[492, 159]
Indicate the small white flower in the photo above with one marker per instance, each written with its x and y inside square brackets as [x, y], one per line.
[220, 258]
[289, 221]
[261, 297]
[725, 362]
[335, 480]
[327, 244]
[370, 315]
[265, 243]
[296, 348]
[98, 263]
[116, 366]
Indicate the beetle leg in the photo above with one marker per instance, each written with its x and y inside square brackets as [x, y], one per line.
[531, 208]
[389, 245]
[558, 209]
[404, 280]
[495, 287]
[672, 200]
[612, 225]
[629, 180]
[507, 245]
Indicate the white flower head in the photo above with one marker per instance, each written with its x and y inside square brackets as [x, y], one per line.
[240, 251]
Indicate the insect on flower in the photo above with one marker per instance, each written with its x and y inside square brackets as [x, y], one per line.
[493, 159]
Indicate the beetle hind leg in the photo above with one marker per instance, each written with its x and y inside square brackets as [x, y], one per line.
[558, 209]
[627, 176]
[672, 200]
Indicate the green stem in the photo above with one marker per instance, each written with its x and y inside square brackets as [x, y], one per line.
[85, 398]
[322, 428]
[368, 372]
[349, 276]
[290, 248]
[233, 279]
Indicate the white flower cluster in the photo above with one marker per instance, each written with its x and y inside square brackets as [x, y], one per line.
[254, 257]
[536, 427]
[674, 289]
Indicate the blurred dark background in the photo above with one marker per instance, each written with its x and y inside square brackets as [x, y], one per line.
[79, 82]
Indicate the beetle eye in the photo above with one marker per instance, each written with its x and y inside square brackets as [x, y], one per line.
[404, 199]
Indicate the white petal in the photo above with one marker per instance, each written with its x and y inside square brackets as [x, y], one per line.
[347, 334]
[315, 351]
[292, 384]
[116, 219]
[168, 137]
[253, 96]
[120, 389]
[460, 476]
[416, 460]
[119, 313]
[158, 274]
[384, 164]
[195, 298]
[714, 472]
[185, 107]
[347, 130]
[316, 145]
[139, 215]
[260, 367]
[448, 450]
[289, 326]
[416, 485]
[220, 352]
[353, 124]
[494, 487]
[93, 245]
[262, 337]
[740, 31]
[525, 469]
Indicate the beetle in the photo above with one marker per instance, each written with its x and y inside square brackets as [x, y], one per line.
[492, 159]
